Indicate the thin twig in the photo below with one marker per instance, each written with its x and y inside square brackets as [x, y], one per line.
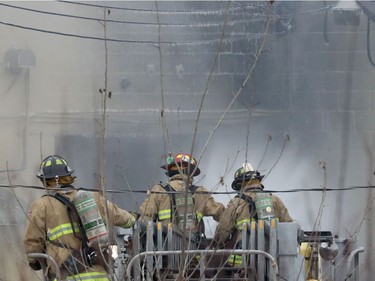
[162, 112]
[248, 77]
[279, 157]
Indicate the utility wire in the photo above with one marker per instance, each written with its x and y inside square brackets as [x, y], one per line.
[154, 11]
[200, 24]
[129, 41]
[293, 190]
[80, 36]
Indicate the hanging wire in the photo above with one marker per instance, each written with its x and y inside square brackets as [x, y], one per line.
[145, 191]
[185, 25]
[150, 42]
[154, 11]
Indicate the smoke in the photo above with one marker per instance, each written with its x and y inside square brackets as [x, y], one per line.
[302, 101]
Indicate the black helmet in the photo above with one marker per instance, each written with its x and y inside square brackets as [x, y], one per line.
[245, 173]
[53, 166]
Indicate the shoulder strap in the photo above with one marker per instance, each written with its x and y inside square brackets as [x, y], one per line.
[88, 252]
[171, 191]
[193, 189]
[201, 225]
[168, 188]
[250, 203]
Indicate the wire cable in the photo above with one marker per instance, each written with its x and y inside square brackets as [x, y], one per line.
[176, 43]
[207, 25]
[293, 190]
[154, 11]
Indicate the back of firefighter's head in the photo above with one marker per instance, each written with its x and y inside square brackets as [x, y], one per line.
[54, 170]
[246, 175]
[181, 163]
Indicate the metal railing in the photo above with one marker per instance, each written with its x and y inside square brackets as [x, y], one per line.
[203, 253]
[159, 237]
[159, 246]
[47, 257]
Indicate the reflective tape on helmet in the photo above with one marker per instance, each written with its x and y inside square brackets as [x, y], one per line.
[165, 214]
[60, 230]
[89, 276]
[170, 159]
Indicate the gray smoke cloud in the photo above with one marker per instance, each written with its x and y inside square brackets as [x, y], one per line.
[307, 102]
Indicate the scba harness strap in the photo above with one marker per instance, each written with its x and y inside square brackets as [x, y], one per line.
[183, 209]
[251, 205]
[171, 192]
[88, 252]
[194, 218]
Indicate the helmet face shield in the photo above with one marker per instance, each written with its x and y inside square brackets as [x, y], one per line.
[53, 166]
[180, 162]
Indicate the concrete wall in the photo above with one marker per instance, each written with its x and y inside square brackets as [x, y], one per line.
[309, 101]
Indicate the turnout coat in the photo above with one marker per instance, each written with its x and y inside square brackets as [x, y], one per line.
[51, 230]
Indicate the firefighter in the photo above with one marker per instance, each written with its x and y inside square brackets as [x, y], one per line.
[55, 228]
[166, 203]
[248, 205]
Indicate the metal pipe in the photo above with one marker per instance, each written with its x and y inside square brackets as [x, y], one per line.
[218, 252]
[353, 254]
[45, 256]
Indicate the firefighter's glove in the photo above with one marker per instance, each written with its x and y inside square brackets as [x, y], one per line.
[135, 214]
[71, 266]
[35, 265]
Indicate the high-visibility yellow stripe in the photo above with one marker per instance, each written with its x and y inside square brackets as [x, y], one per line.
[235, 259]
[164, 214]
[60, 230]
[129, 223]
[239, 224]
[89, 276]
[199, 216]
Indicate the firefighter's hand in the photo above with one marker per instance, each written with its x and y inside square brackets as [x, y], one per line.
[135, 214]
[35, 265]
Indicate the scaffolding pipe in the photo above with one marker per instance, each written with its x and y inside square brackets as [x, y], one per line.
[45, 256]
[353, 255]
[202, 252]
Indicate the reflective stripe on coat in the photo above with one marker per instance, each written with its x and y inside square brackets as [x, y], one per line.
[49, 230]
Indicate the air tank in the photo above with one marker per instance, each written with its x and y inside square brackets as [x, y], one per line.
[93, 223]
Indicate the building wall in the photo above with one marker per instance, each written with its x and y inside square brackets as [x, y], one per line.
[303, 113]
